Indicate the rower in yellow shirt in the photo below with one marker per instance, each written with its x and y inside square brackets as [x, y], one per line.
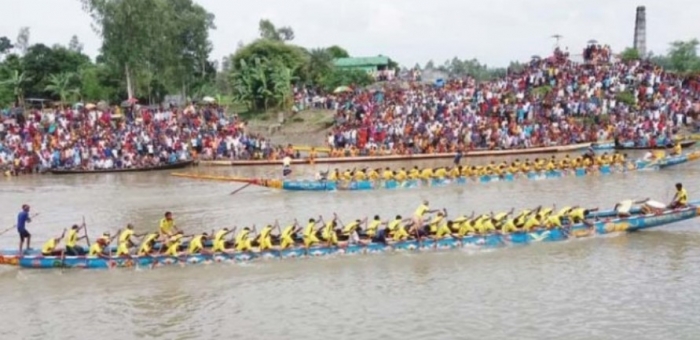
[397, 229]
[147, 244]
[328, 233]
[98, 247]
[71, 241]
[677, 149]
[219, 241]
[465, 225]
[445, 230]
[373, 227]
[454, 172]
[196, 245]
[434, 224]
[440, 173]
[352, 227]
[360, 175]
[426, 174]
[265, 238]
[373, 174]
[173, 244]
[310, 232]
[414, 173]
[387, 174]
[287, 235]
[243, 242]
[49, 248]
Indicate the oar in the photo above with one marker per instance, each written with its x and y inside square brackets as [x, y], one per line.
[15, 226]
[241, 188]
[87, 239]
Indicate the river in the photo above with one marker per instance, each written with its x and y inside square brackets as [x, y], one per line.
[642, 286]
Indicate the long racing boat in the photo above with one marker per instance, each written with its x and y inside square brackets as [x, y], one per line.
[328, 185]
[493, 240]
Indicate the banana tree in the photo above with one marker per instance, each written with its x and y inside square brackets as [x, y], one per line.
[16, 83]
[282, 78]
[59, 84]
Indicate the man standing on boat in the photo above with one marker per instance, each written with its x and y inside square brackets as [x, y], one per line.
[167, 225]
[22, 219]
[286, 167]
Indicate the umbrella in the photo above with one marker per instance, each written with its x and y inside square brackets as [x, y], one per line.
[90, 106]
[536, 57]
[208, 99]
[340, 89]
[78, 106]
[592, 42]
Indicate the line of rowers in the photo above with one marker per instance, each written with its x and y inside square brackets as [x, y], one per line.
[425, 223]
[500, 169]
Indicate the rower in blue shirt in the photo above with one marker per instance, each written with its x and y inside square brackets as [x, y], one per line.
[22, 220]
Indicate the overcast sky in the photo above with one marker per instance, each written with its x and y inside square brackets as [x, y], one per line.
[409, 31]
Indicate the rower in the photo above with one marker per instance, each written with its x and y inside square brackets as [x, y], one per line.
[397, 230]
[328, 232]
[49, 248]
[351, 231]
[196, 245]
[167, 225]
[174, 243]
[677, 150]
[243, 242]
[219, 242]
[445, 230]
[147, 245]
[373, 227]
[287, 235]
[623, 208]
[97, 248]
[680, 200]
[310, 232]
[264, 239]
[126, 235]
[72, 247]
[22, 219]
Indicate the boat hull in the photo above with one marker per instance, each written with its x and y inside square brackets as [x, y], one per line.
[172, 166]
[302, 185]
[603, 226]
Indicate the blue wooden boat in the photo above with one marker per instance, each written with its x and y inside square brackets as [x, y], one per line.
[10, 256]
[315, 185]
[600, 227]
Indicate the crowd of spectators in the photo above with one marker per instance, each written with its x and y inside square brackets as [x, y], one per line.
[115, 138]
[552, 101]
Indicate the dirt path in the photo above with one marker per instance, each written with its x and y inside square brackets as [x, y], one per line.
[304, 128]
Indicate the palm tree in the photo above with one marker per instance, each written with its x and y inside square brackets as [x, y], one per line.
[16, 83]
[59, 84]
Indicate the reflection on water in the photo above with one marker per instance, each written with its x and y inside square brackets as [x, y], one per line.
[641, 286]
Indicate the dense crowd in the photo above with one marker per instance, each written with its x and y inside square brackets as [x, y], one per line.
[116, 138]
[550, 102]
[553, 101]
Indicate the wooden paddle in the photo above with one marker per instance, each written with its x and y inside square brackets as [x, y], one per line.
[241, 188]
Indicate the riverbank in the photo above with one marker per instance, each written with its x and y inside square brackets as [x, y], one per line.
[394, 158]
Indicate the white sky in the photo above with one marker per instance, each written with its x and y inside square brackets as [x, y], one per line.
[409, 31]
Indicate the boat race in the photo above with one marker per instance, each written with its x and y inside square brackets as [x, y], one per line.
[173, 172]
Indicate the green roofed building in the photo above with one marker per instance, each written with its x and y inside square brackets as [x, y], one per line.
[368, 64]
